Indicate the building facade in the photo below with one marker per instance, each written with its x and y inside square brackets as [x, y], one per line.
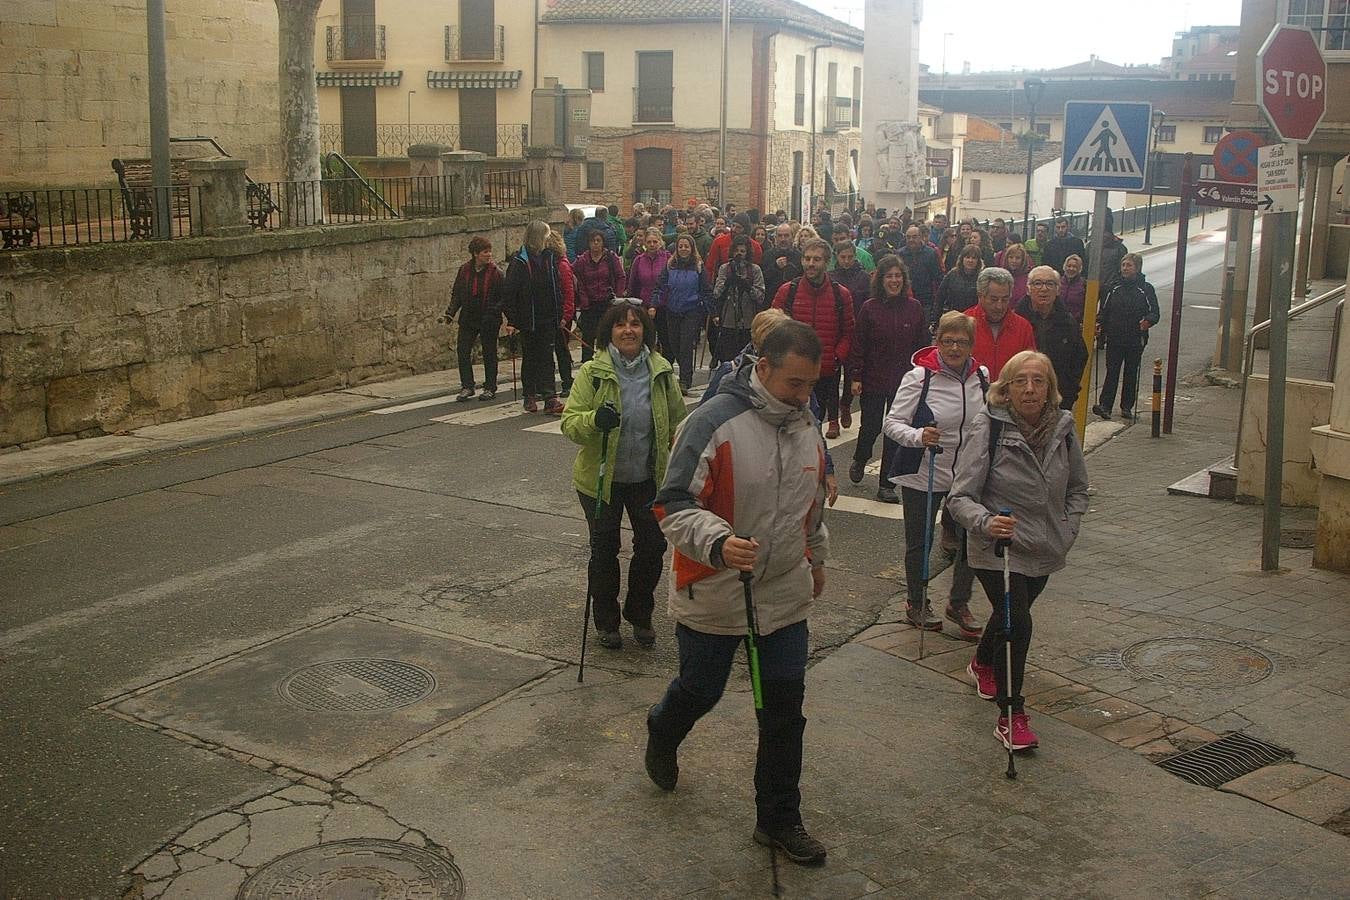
[1204, 53]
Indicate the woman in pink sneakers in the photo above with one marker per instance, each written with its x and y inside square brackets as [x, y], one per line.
[1024, 456]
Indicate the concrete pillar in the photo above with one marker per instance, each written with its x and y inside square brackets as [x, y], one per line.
[219, 196]
[1317, 254]
[464, 171]
[550, 161]
[429, 193]
[894, 154]
[1312, 165]
[1331, 453]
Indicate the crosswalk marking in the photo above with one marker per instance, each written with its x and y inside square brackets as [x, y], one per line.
[416, 404]
[483, 415]
[865, 507]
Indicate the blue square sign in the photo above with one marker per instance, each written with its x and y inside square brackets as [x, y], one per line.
[1105, 145]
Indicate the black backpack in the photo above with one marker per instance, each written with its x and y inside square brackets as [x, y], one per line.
[838, 302]
[908, 459]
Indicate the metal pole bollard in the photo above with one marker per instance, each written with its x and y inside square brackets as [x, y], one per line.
[1157, 397]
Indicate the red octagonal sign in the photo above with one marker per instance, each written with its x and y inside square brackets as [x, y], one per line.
[1293, 78]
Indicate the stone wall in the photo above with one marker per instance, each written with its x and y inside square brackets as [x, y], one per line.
[694, 159]
[782, 144]
[73, 85]
[111, 337]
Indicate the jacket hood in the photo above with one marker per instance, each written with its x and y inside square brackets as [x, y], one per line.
[745, 385]
[930, 358]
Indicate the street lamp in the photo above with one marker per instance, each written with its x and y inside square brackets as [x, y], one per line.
[409, 144]
[1035, 89]
[1158, 117]
[710, 188]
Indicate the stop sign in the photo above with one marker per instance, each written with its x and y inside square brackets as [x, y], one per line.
[1293, 77]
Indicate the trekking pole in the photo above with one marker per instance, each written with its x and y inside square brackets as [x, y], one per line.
[599, 505]
[511, 342]
[927, 544]
[751, 635]
[1002, 548]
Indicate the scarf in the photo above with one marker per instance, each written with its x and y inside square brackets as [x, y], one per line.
[628, 365]
[1037, 433]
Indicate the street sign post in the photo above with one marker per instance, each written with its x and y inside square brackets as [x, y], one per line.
[1106, 145]
[1225, 194]
[1178, 282]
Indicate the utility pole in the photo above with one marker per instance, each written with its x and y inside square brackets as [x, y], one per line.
[1035, 89]
[722, 122]
[160, 176]
[1158, 118]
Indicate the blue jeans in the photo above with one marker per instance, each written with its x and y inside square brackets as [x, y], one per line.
[705, 663]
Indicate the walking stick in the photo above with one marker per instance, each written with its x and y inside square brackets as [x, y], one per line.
[927, 545]
[511, 342]
[751, 634]
[1002, 547]
[599, 505]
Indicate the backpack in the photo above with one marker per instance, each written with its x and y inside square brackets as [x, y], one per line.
[838, 304]
[908, 459]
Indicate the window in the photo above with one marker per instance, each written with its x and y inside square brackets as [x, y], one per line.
[477, 30]
[832, 81]
[478, 120]
[799, 98]
[1213, 133]
[652, 176]
[594, 173]
[1167, 134]
[795, 201]
[655, 93]
[1043, 128]
[975, 189]
[1191, 77]
[1006, 126]
[857, 98]
[594, 65]
[1328, 19]
[358, 121]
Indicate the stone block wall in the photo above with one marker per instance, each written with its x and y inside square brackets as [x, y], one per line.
[111, 337]
[694, 158]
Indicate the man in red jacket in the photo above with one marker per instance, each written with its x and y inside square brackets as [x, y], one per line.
[1000, 333]
[828, 308]
[720, 250]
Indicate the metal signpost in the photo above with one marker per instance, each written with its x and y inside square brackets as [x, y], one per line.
[1293, 79]
[1109, 142]
[1178, 282]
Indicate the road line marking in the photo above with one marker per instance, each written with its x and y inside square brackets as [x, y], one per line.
[865, 507]
[496, 413]
[554, 426]
[1198, 306]
[418, 404]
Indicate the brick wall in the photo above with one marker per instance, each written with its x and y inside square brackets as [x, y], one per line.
[694, 159]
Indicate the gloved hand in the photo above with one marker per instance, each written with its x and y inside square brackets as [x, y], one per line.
[607, 417]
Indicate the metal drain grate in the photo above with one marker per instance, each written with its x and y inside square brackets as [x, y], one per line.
[1220, 761]
[357, 685]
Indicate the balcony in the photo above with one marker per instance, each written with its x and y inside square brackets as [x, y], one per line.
[654, 105]
[356, 41]
[462, 47]
[839, 114]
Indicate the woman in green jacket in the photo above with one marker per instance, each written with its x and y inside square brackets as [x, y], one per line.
[630, 393]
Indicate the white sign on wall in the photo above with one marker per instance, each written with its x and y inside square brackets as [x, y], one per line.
[1277, 178]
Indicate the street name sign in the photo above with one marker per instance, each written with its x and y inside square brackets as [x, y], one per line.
[1229, 194]
[1277, 178]
[1106, 145]
[1293, 78]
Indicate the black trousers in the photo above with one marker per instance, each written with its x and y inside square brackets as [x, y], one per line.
[663, 339]
[1116, 358]
[684, 328]
[564, 354]
[536, 363]
[730, 341]
[644, 571]
[587, 320]
[874, 409]
[827, 395]
[469, 333]
[1025, 590]
[915, 506]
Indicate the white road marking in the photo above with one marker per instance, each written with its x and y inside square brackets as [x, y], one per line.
[864, 507]
[483, 415]
[1198, 306]
[418, 404]
[553, 426]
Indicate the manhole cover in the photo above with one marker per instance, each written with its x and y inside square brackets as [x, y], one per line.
[1197, 662]
[357, 685]
[357, 869]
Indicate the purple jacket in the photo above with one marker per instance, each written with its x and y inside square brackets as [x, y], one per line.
[598, 280]
[858, 281]
[889, 333]
[646, 273]
[1074, 295]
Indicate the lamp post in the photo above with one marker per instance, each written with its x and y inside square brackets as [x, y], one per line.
[410, 140]
[1158, 117]
[710, 187]
[1035, 89]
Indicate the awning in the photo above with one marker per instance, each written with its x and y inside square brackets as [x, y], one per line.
[474, 79]
[359, 79]
[852, 175]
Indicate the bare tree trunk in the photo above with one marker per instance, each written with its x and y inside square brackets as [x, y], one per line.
[296, 21]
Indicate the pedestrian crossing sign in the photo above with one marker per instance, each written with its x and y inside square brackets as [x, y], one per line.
[1105, 145]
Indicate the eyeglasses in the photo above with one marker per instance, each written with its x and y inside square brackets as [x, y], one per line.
[1044, 284]
[627, 301]
[1022, 381]
[953, 343]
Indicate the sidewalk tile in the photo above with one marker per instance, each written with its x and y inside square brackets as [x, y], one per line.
[1317, 802]
[1272, 782]
[1133, 731]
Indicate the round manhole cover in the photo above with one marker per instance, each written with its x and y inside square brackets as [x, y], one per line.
[357, 685]
[347, 870]
[1197, 662]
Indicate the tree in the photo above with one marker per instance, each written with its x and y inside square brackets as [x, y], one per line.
[299, 95]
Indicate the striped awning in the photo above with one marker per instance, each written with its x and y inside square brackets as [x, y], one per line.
[474, 79]
[359, 79]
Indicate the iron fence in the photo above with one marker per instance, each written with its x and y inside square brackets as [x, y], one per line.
[358, 38]
[78, 216]
[503, 141]
[458, 49]
[513, 188]
[1123, 221]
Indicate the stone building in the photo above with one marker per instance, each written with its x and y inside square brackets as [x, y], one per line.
[74, 95]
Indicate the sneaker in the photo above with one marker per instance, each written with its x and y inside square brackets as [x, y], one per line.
[1127, 414]
[846, 418]
[927, 621]
[531, 404]
[644, 636]
[887, 494]
[553, 406]
[794, 841]
[855, 471]
[833, 431]
[464, 395]
[684, 390]
[611, 640]
[662, 764]
[961, 616]
[488, 394]
[1099, 410]
[1023, 738]
[983, 676]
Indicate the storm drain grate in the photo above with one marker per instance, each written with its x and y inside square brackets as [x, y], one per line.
[1222, 760]
[358, 868]
[357, 685]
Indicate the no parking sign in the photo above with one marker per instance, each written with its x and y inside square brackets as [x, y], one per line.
[1235, 157]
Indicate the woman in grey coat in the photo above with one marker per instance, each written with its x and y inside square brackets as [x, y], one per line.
[1025, 456]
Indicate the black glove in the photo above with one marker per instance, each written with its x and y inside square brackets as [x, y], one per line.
[607, 417]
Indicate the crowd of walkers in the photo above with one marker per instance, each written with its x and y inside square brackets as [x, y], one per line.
[964, 350]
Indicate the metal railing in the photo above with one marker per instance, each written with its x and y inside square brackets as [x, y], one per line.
[513, 188]
[70, 217]
[504, 141]
[839, 115]
[653, 199]
[358, 39]
[336, 166]
[647, 108]
[459, 50]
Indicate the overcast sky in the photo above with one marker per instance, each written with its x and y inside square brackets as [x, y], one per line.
[1000, 35]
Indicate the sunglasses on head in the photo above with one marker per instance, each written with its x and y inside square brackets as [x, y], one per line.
[627, 301]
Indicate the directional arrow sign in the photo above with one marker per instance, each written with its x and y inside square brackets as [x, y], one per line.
[1277, 178]
[1231, 195]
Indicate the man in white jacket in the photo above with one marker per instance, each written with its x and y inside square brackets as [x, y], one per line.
[744, 492]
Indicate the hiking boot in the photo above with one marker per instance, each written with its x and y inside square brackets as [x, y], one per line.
[684, 390]
[1023, 738]
[794, 841]
[855, 471]
[927, 621]
[833, 431]
[960, 615]
[465, 395]
[553, 406]
[887, 494]
[846, 417]
[1098, 409]
[611, 640]
[983, 676]
[532, 404]
[644, 636]
[1127, 414]
[488, 395]
[662, 765]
